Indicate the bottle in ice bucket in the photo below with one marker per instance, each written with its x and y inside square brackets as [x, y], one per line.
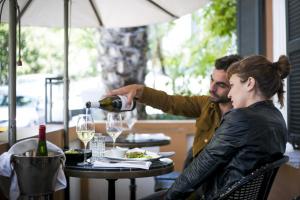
[113, 104]
[42, 145]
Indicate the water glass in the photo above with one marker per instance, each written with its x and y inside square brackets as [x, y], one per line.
[97, 146]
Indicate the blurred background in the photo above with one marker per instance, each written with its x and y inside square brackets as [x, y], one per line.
[175, 57]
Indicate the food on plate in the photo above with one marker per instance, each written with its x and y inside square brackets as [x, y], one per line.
[140, 153]
[71, 151]
[135, 154]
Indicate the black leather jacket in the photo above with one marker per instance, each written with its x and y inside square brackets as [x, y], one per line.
[246, 139]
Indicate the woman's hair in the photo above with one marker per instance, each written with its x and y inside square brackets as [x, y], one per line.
[269, 76]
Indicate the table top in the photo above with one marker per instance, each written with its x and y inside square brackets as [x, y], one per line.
[123, 142]
[157, 168]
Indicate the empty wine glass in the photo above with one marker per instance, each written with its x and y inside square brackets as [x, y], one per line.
[85, 129]
[130, 119]
[114, 126]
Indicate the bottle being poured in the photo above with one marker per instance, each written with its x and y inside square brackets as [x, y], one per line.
[117, 103]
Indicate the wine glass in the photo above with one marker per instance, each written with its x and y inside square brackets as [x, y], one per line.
[85, 129]
[114, 126]
[130, 119]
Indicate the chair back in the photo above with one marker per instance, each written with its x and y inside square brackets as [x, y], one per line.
[255, 186]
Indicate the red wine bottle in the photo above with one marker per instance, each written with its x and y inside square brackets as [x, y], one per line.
[42, 145]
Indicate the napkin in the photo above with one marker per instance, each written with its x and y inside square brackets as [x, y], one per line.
[123, 164]
[147, 136]
[6, 169]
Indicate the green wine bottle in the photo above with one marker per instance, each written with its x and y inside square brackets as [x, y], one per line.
[113, 104]
[42, 145]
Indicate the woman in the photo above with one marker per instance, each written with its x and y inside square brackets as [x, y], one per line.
[250, 135]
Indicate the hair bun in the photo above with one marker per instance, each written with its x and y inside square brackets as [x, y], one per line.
[283, 66]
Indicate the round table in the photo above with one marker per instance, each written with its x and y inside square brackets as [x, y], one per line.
[122, 141]
[112, 174]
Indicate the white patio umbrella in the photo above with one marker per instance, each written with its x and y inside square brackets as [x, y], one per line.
[107, 13]
[82, 13]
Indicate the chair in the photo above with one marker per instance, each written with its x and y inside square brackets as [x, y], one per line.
[164, 182]
[255, 186]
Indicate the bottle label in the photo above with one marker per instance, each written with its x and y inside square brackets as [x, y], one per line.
[124, 101]
[94, 104]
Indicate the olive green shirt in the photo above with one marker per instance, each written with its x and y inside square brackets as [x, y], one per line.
[208, 113]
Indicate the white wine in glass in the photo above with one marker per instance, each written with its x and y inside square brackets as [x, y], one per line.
[85, 129]
[114, 126]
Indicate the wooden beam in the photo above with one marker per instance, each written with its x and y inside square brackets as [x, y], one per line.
[269, 29]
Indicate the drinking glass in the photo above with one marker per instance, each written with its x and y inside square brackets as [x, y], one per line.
[85, 129]
[130, 119]
[114, 126]
[97, 146]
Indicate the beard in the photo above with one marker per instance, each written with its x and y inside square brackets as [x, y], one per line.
[219, 99]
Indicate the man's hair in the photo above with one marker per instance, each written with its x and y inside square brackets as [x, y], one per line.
[226, 61]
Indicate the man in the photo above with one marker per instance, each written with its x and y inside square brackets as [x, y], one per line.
[207, 109]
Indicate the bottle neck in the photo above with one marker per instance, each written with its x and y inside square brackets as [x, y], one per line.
[42, 136]
[42, 133]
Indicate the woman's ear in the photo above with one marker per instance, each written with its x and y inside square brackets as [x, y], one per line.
[251, 83]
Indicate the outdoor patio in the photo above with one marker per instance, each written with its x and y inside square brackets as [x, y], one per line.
[266, 27]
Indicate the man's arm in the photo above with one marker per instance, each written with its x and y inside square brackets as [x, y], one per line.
[220, 150]
[131, 91]
[190, 106]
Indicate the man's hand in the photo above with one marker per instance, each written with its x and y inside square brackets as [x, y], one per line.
[131, 91]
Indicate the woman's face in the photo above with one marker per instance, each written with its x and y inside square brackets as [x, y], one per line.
[238, 92]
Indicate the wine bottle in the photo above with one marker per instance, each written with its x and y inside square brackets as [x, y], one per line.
[42, 144]
[113, 104]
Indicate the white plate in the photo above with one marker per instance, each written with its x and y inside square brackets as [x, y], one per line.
[166, 154]
[154, 156]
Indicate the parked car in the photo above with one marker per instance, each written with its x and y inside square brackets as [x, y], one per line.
[27, 109]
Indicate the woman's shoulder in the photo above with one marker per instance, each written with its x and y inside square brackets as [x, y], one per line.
[236, 114]
[257, 111]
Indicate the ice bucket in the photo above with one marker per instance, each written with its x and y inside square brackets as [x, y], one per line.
[37, 174]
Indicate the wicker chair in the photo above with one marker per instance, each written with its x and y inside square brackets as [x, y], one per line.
[255, 186]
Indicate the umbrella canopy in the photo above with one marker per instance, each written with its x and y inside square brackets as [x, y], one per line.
[81, 13]
[107, 13]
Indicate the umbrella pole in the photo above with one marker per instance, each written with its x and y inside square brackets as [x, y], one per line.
[66, 74]
[12, 72]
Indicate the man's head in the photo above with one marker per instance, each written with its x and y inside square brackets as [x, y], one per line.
[219, 84]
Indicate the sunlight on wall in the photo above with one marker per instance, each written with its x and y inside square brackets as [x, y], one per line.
[279, 41]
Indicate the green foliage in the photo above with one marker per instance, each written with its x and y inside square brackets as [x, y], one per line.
[221, 17]
[3, 54]
[213, 36]
[155, 36]
[32, 56]
[42, 52]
